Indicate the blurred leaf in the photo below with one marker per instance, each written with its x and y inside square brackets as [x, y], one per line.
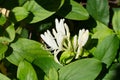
[113, 73]
[20, 13]
[26, 71]
[3, 49]
[2, 19]
[71, 8]
[101, 31]
[3, 77]
[84, 69]
[8, 35]
[106, 51]
[38, 11]
[26, 49]
[99, 10]
[115, 21]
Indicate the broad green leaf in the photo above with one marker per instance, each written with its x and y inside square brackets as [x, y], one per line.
[39, 12]
[2, 19]
[8, 35]
[115, 21]
[99, 10]
[84, 69]
[3, 49]
[26, 71]
[34, 52]
[26, 49]
[46, 63]
[101, 31]
[20, 13]
[106, 51]
[3, 77]
[73, 10]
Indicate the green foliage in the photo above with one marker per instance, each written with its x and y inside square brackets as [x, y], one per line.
[3, 49]
[25, 56]
[115, 21]
[28, 72]
[99, 10]
[108, 52]
[20, 13]
[2, 19]
[82, 69]
[3, 77]
[73, 10]
[8, 35]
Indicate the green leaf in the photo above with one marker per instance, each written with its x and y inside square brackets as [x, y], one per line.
[84, 69]
[26, 71]
[3, 77]
[2, 19]
[3, 49]
[8, 35]
[20, 13]
[71, 9]
[115, 21]
[39, 12]
[106, 51]
[26, 49]
[53, 74]
[99, 10]
[34, 52]
[46, 63]
[101, 31]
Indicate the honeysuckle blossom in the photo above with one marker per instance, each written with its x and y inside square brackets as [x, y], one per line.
[57, 40]
[82, 39]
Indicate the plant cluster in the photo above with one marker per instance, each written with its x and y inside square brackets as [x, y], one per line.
[59, 39]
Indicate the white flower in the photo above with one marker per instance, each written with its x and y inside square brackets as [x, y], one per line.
[82, 39]
[56, 41]
[49, 39]
[59, 40]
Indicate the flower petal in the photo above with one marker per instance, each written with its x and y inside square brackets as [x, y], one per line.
[75, 43]
[49, 40]
[60, 26]
[83, 37]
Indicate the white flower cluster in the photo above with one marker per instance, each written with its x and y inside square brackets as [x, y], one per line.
[57, 40]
